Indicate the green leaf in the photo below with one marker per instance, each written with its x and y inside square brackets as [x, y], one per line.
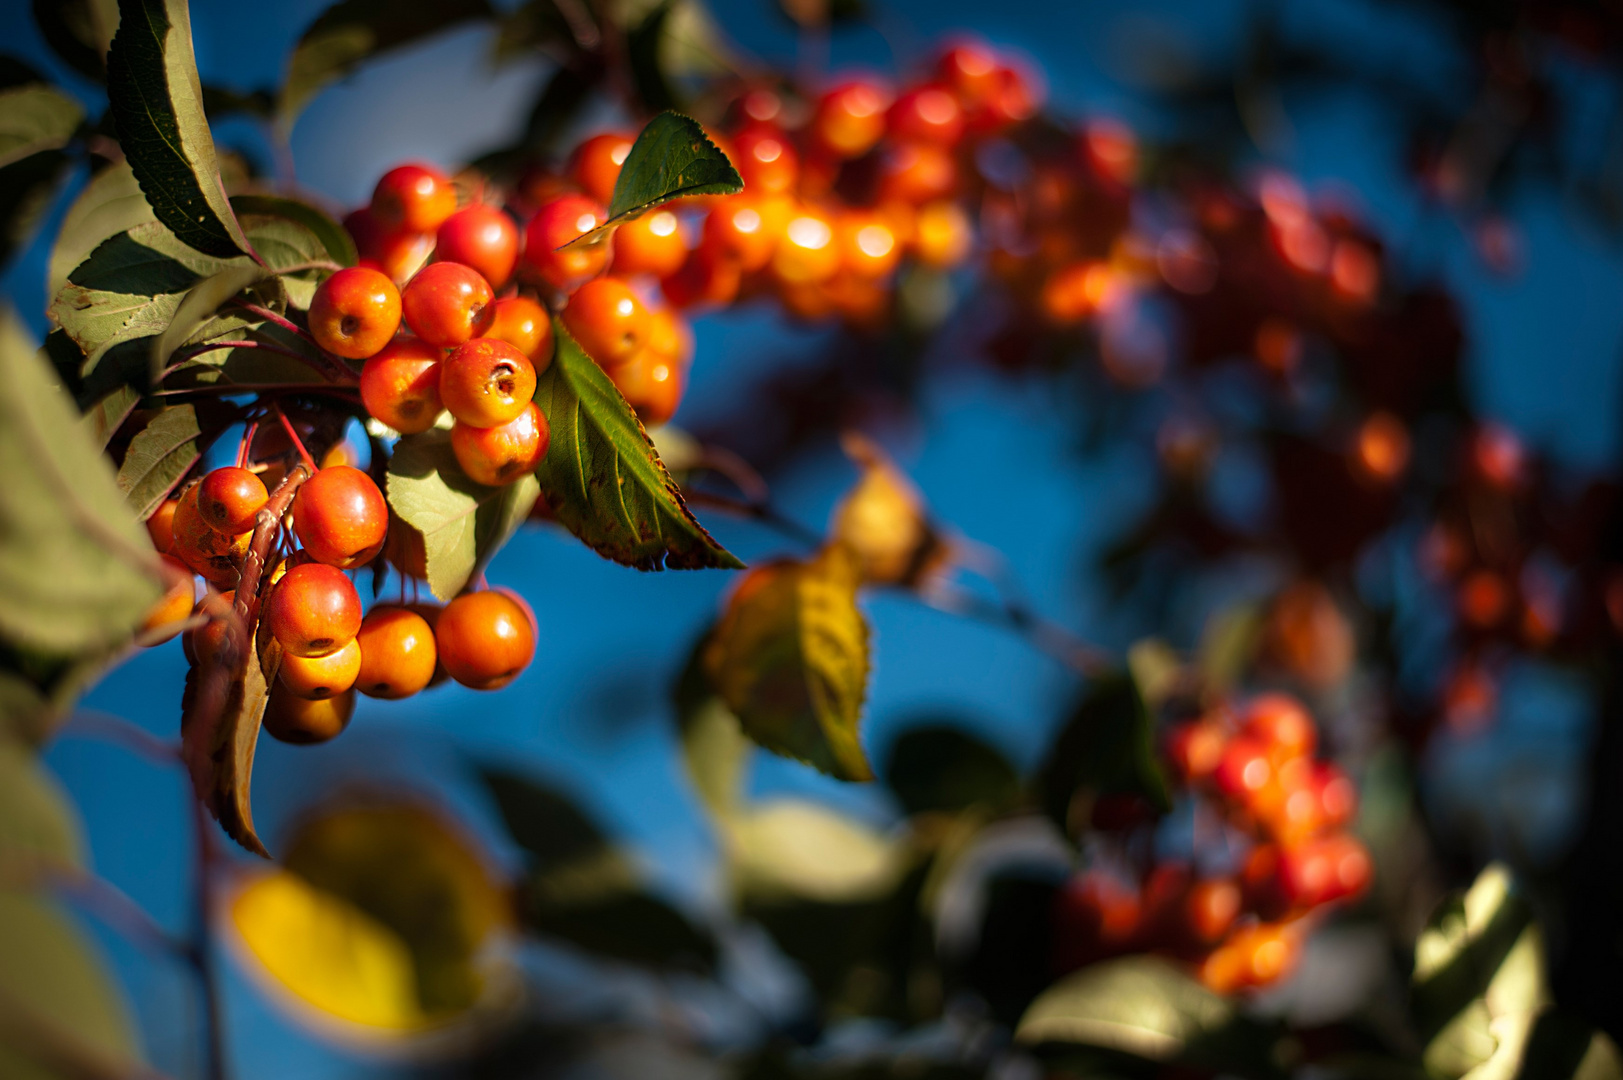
[107, 414]
[1107, 747]
[793, 848]
[671, 158]
[157, 104]
[714, 748]
[545, 822]
[935, 767]
[62, 1014]
[79, 31]
[28, 188]
[158, 457]
[463, 524]
[333, 237]
[194, 315]
[34, 118]
[77, 570]
[790, 658]
[602, 478]
[110, 204]
[1148, 1008]
[38, 824]
[351, 31]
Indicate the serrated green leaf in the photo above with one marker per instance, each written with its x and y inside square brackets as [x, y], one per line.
[157, 105]
[351, 31]
[602, 478]
[159, 456]
[77, 570]
[63, 1012]
[333, 237]
[108, 412]
[790, 658]
[672, 158]
[462, 523]
[38, 825]
[34, 118]
[1107, 747]
[110, 204]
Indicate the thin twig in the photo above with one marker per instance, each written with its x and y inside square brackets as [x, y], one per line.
[225, 389]
[765, 513]
[335, 367]
[90, 724]
[114, 907]
[287, 425]
[1051, 638]
[313, 264]
[202, 951]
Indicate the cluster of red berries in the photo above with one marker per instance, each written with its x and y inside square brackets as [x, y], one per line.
[1282, 817]
[312, 609]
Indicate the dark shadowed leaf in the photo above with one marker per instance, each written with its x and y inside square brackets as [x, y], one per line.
[1107, 747]
[76, 569]
[941, 768]
[195, 314]
[790, 658]
[33, 118]
[79, 31]
[543, 821]
[158, 456]
[334, 238]
[111, 203]
[631, 926]
[354, 30]
[462, 523]
[602, 478]
[671, 158]
[157, 104]
[27, 190]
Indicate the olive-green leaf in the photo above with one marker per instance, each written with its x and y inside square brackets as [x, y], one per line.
[33, 118]
[157, 104]
[110, 204]
[197, 308]
[158, 456]
[790, 658]
[28, 188]
[602, 478]
[38, 825]
[334, 238]
[671, 158]
[76, 568]
[62, 1013]
[462, 523]
[351, 31]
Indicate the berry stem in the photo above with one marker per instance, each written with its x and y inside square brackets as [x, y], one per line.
[246, 443]
[224, 389]
[287, 425]
[336, 371]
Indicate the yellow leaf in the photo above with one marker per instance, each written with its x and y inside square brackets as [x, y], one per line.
[884, 520]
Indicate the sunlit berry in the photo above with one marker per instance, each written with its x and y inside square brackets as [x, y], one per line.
[595, 164]
[417, 198]
[321, 676]
[340, 517]
[708, 279]
[525, 325]
[850, 119]
[400, 386]
[307, 721]
[766, 161]
[313, 611]
[499, 455]
[744, 228]
[868, 246]
[447, 303]
[928, 113]
[161, 525]
[482, 237]
[651, 244]
[942, 234]
[215, 556]
[398, 656]
[355, 312]
[174, 606]
[807, 253]
[486, 382]
[556, 224]
[917, 172]
[229, 499]
[606, 318]
[485, 639]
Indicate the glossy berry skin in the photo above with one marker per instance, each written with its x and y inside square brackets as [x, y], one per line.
[606, 318]
[355, 312]
[652, 385]
[766, 161]
[447, 303]
[595, 164]
[485, 639]
[306, 721]
[341, 517]
[499, 455]
[482, 237]
[397, 650]
[850, 119]
[486, 382]
[400, 386]
[175, 605]
[867, 243]
[744, 228]
[927, 113]
[1282, 724]
[1245, 771]
[556, 224]
[161, 525]
[395, 253]
[651, 244]
[318, 677]
[218, 558]
[416, 198]
[229, 499]
[313, 611]
[807, 254]
[525, 325]
[1255, 956]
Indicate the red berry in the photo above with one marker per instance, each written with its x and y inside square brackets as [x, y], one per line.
[494, 456]
[481, 237]
[927, 113]
[397, 653]
[341, 517]
[651, 244]
[400, 386]
[355, 312]
[417, 198]
[229, 499]
[595, 164]
[1195, 749]
[525, 325]
[317, 677]
[485, 639]
[1246, 769]
[486, 382]
[766, 161]
[1281, 723]
[606, 319]
[556, 224]
[850, 119]
[447, 303]
[314, 610]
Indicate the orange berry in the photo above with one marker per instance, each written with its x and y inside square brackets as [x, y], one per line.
[766, 161]
[926, 114]
[807, 253]
[414, 197]
[175, 605]
[595, 164]
[606, 319]
[161, 525]
[447, 304]
[341, 517]
[314, 610]
[229, 499]
[850, 119]
[651, 244]
[744, 228]
[400, 386]
[481, 237]
[218, 558]
[499, 455]
[652, 384]
[486, 382]
[942, 235]
[556, 224]
[306, 721]
[708, 279]
[917, 172]
[1195, 749]
[321, 676]
[1210, 909]
[355, 312]
[397, 650]
[485, 639]
[525, 325]
[1281, 723]
[868, 245]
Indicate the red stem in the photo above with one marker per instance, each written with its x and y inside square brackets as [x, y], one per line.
[287, 425]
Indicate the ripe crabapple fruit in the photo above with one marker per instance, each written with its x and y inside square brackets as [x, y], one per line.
[807, 253]
[485, 639]
[1282, 724]
[850, 119]
[525, 325]
[398, 655]
[229, 499]
[606, 319]
[161, 525]
[1210, 909]
[486, 382]
[314, 610]
[745, 228]
[708, 279]
[556, 224]
[218, 558]
[417, 198]
[447, 303]
[969, 69]
[927, 113]
[355, 312]
[651, 244]
[175, 604]
[499, 455]
[766, 161]
[340, 517]
[942, 235]
[482, 237]
[917, 172]
[400, 386]
[868, 245]
[321, 676]
[307, 721]
[595, 164]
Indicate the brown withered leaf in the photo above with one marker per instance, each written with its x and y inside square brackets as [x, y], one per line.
[220, 718]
